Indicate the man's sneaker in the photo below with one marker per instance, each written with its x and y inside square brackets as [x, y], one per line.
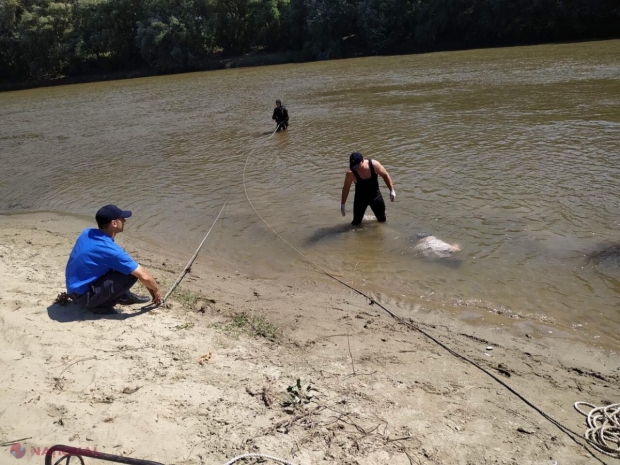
[129, 298]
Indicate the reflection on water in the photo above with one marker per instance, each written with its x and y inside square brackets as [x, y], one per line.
[511, 153]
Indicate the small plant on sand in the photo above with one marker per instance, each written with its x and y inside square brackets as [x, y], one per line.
[298, 395]
[186, 298]
[254, 325]
[186, 325]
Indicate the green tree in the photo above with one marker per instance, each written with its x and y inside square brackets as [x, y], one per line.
[293, 33]
[244, 24]
[10, 62]
[105, 32]
[267, 23]
[42, 35]
[176, 34]
[387, 25]
[234, 20]
[328, 23]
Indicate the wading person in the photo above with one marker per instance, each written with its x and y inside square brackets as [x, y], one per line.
[100, 273]
[364, 173]
[280, 115]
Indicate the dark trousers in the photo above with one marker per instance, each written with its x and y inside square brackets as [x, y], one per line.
[283, 126]
[361, 203]
[106, 291]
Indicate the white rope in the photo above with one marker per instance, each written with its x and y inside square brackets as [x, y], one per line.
[276, 130]
[603, 427]
[245, 189]
[258, 456]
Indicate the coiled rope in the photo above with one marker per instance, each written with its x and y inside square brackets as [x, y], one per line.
[258, 456]
[191, 261]
[603, 427]
[575, 437]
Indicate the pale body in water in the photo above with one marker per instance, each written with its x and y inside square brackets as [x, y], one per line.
[430, 246]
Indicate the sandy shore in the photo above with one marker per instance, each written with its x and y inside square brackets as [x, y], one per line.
[206, 379]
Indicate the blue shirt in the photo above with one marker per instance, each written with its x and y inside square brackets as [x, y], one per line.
[93, 255]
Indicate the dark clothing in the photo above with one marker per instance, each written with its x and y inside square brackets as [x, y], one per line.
[280, 115]
[367, 193]
[106, 291]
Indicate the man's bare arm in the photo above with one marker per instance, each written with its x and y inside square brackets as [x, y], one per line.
[149, 282]
[381, 171]
[348, 180]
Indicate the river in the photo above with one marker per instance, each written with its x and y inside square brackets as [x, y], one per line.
[512, 153]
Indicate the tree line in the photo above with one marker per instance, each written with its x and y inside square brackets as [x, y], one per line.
[44, 39]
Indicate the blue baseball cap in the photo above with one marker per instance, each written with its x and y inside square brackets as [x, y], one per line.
[355, 160]
[110, 212]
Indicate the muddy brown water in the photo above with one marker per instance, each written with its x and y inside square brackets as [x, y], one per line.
[511, 153]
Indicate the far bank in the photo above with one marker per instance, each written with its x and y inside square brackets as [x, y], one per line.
[253, 59]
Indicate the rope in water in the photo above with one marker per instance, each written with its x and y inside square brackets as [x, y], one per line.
[575, 437]
[275, 130]
[191, 261]
[258, 456]
[603, 427]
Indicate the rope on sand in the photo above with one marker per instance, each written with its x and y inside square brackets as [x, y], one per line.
[258, 456]
[603, 427]
[575, 437]
[191, 261]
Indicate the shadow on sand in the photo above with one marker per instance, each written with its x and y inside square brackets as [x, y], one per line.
[72, 312]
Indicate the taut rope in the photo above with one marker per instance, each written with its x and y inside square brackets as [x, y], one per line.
[191, 261]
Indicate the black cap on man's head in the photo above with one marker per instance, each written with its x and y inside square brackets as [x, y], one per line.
[108, 213]
[355, 160]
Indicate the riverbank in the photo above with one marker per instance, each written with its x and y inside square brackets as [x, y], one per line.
[252, 59]
[243, 61]
[212, 375]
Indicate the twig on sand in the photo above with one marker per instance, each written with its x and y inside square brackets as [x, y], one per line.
[77, 361]
[417, 460]
[349, 345]
[58, 380]
[14, 441]
[288, 422]
[400, 439]
[124, 350]
[192, 449]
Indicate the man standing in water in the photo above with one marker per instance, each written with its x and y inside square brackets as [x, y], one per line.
[280, 115]
[364, 173]
[100, 273]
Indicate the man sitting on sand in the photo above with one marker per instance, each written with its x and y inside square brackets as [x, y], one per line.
[100, 273]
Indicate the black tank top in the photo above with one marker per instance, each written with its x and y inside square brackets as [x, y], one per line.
[367, 187]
